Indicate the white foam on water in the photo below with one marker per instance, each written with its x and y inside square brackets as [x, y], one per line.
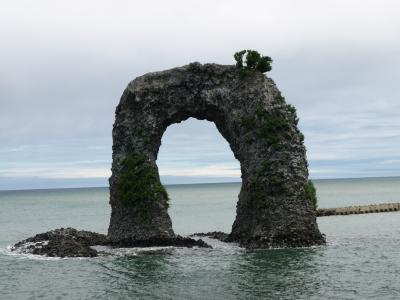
[18, 253]
[218, 247]
[23, 255]
[134, 251]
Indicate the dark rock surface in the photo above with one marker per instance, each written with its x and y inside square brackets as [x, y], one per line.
[274, 208]
[177, 241]
[218, 235]
[69, 242]
[63, 242]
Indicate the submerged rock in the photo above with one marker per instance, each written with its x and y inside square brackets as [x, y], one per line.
[161, 251]
[177, 241]
[218, 235]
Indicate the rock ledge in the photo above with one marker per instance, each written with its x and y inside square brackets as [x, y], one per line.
[69, 242]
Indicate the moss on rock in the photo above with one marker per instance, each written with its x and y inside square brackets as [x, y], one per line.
[271, 130]
[269, 127]
[138, 184]
[311, 193]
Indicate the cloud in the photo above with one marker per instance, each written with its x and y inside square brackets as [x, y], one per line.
[66, 63]
[206, 171]
[57, 172]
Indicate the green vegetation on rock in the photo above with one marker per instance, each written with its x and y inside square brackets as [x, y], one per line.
[302, 138]
[271, 130]
[269, 127]
[138, 184]
[238, 56]
[279, 98]
[254, 61]
[312, 193]
[293, 111]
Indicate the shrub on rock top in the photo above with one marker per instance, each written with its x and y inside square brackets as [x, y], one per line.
[254, 61]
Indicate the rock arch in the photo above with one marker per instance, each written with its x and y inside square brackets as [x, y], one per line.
[274, 208]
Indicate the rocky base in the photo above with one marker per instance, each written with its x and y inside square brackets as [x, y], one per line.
[63, 242]
[218, 235]
[177, 241]
[69, 242]
[265, 243]
[292, 241]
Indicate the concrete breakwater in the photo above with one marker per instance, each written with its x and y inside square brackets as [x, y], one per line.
[354, 210]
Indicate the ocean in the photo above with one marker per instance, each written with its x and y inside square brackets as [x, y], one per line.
[360, 261]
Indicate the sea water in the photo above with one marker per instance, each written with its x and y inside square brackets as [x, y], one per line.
[360, 261]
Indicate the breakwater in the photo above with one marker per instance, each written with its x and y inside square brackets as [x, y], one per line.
[354, 210]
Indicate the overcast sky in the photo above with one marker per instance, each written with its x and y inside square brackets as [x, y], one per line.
[64, 65]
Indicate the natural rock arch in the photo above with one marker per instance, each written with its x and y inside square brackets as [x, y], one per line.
[274, 208]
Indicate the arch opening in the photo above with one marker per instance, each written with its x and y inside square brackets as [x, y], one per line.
[201, 175]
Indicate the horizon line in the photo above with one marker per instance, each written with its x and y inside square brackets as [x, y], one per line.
[199, 183]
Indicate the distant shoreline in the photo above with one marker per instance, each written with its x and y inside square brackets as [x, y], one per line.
[196, 184]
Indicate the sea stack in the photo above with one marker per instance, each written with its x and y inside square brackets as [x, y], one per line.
[274, 207]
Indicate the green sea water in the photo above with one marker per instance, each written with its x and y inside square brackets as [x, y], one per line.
[360, 261]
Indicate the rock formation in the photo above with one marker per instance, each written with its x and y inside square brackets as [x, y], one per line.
[274, 208]
[62, 242]
[69, 242]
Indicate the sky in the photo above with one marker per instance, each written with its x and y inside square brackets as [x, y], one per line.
[65, 64]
